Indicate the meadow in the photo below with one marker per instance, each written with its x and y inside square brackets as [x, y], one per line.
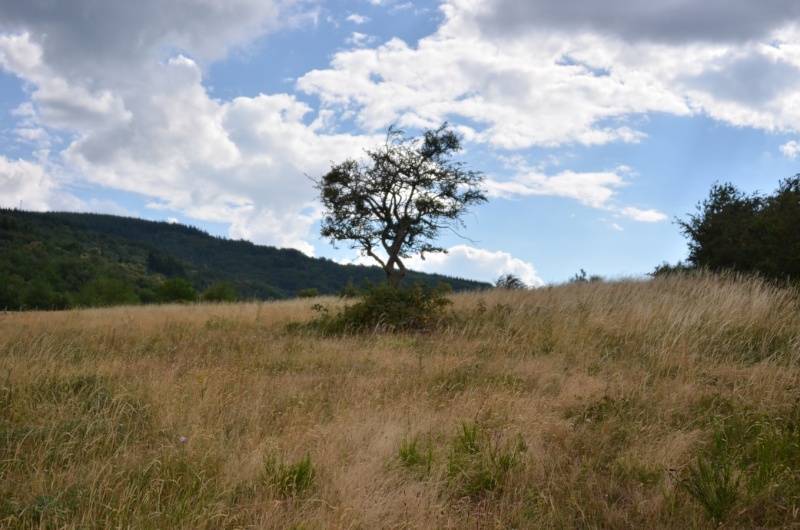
[669, 403]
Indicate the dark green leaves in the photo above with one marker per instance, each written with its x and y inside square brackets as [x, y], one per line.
[397, 201]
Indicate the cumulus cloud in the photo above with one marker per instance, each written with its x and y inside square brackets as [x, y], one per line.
[670, 21]
[469, 262]
[512, 97]
[645, 216]
[83, 36]
[561, 84]
[360, 39]
[29, 186]
[591, 189]
[597, 190]
[357, 19]
[464, 261]
[126, 89]
[791, 149]
[752, 79]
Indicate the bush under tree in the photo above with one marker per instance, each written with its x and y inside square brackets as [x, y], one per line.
[386, 308]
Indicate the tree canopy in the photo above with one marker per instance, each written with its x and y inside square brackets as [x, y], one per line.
[749, 233]
[397, 201]
[510, 281]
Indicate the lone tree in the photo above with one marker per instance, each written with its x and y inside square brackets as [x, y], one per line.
[397, 200]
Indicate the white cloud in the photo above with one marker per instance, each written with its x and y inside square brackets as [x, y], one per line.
[463, 261]
[553, 85]
[139, 119]
[29, 186]
[126, 90]
[243, 163]
[791, 149]
[469, 262]
[596, 190]
[357, 19]
[591, 189]
[645, 216]
[360, 39]
[33, 135]
[548, 90]
[18, 54]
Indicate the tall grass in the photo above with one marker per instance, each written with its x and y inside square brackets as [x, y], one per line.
[661, 404]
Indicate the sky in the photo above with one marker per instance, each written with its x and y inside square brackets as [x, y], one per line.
[596, 124]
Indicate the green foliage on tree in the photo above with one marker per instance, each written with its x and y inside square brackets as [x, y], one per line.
[176, 290]
[38, 294]
[510, 281]
[581, 277]
[220, 292]
[747, 233]
[164, 263]
[61, 260]
[11, 288]
[667, 269]
[398, 201]
[349, 290]
[102, 292]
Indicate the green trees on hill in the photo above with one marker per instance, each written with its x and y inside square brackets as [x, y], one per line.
[748, 233]
[64, 260]
[176, 290]
[220, 292]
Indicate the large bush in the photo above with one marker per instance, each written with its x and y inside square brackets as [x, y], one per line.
[386, 308]
[220, 292]
[176, 290]
[748, 233]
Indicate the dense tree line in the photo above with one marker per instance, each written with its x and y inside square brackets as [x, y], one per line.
[749, 233]
[63, 260]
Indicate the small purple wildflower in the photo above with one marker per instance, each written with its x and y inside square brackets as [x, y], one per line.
[183, 439]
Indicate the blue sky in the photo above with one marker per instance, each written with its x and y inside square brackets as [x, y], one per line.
[595, 128]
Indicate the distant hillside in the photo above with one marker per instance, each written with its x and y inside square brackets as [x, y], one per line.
[61, 260]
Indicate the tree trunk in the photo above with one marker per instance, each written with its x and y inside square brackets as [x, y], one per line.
[394, 276]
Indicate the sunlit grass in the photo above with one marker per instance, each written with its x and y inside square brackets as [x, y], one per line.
[662, 404]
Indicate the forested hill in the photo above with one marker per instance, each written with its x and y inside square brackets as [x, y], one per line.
[58, 259]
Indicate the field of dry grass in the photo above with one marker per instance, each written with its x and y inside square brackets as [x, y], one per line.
[673, 403]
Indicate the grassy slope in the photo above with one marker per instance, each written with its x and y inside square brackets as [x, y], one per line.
[614, 405]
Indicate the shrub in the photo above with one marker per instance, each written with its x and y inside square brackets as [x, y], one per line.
[104, 292]
[510, 281]
[384, 308]
[308, 293]
[220, 292]
[747, 476]
[349, 290]
[479, 463]
[288, 479]
[715, 485]
[412, 457]
[176, 290]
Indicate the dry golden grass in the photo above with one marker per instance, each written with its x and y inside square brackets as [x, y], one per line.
[601, 395]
